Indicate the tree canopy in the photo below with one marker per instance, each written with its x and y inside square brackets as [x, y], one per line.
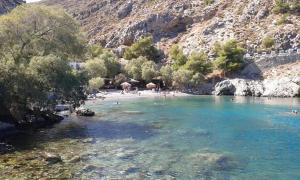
[229, 56]
[143, 47]
[36, 43]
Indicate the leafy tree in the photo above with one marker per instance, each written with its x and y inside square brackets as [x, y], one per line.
[149, 70]
[177, 56]
[198, 63]
[268, 42]
[229, 56]
[111, 64]
[35, 45]
[134, 67]
[167, 75]
[197, 79]
[95, 51]
[119, 79]
[36, 30]
[143, 47]
[182, 78]
[96, 68]
[96, 83]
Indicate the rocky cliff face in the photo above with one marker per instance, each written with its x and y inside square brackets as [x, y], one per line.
[194, 24]
[6, 5]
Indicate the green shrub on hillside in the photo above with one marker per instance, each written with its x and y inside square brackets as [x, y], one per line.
[177, 56]
[198, 63]
[134, 67]
[229, 56]
[182, 78]
[268, 42]
[166, 73]
[149, 71]
[143, 47]
[96, 68]
[208, 2]
[281, 7]
[96, 83]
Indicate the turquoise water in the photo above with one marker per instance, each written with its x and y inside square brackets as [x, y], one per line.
[260, 136]
[178, 138]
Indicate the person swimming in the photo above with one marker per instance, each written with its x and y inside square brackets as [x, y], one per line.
[295, 111]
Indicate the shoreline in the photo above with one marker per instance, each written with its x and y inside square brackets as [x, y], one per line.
[115, 95]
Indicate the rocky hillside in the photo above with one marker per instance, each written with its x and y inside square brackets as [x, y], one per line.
[194, 24]
[6, 5]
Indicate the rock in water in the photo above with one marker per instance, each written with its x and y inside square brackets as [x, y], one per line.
[282, 87]
[224, 88]
[52, 158]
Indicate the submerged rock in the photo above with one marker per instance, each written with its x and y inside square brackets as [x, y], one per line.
[214, 161]
[75, 159]
[52, 158]
[88, 140]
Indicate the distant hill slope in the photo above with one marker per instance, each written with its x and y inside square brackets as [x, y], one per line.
[195, 24]
[6, 5]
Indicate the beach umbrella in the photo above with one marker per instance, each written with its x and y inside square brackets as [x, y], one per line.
[151, 86]
[125, 85]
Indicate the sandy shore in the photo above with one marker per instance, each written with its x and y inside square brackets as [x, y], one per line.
[118, 95]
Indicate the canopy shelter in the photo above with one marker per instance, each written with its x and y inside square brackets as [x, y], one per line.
[151, 86]
[126, 86]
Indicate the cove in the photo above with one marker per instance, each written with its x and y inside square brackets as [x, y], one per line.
[196, 137]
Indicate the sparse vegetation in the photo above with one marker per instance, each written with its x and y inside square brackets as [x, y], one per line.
[283, 20]
[282, 7]
[208, 2]
[268, 42]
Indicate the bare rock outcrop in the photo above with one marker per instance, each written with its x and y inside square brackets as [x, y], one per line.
[282, 87]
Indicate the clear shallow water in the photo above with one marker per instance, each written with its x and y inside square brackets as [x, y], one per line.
[183, 138]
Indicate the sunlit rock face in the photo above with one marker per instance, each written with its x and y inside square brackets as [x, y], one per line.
[194, 25]
[7, 5]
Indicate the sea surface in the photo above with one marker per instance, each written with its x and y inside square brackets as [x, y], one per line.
[197, 137]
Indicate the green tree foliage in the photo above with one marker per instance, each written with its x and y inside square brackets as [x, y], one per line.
[35, 45]
[34, 30]
[167, 75]
[177, 56]
[208, 2]
[149, 71]
[96, 68]
[119, 79]
[96, 83]
[182, 78]
[229, 56]
[111, 64]
[197, 79]
[134, 67]
[198, 63]
[95, 51]
[143, 47]
[282, 7]
[268, 42]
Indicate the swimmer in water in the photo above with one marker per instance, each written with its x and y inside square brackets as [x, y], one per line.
[295, 111]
